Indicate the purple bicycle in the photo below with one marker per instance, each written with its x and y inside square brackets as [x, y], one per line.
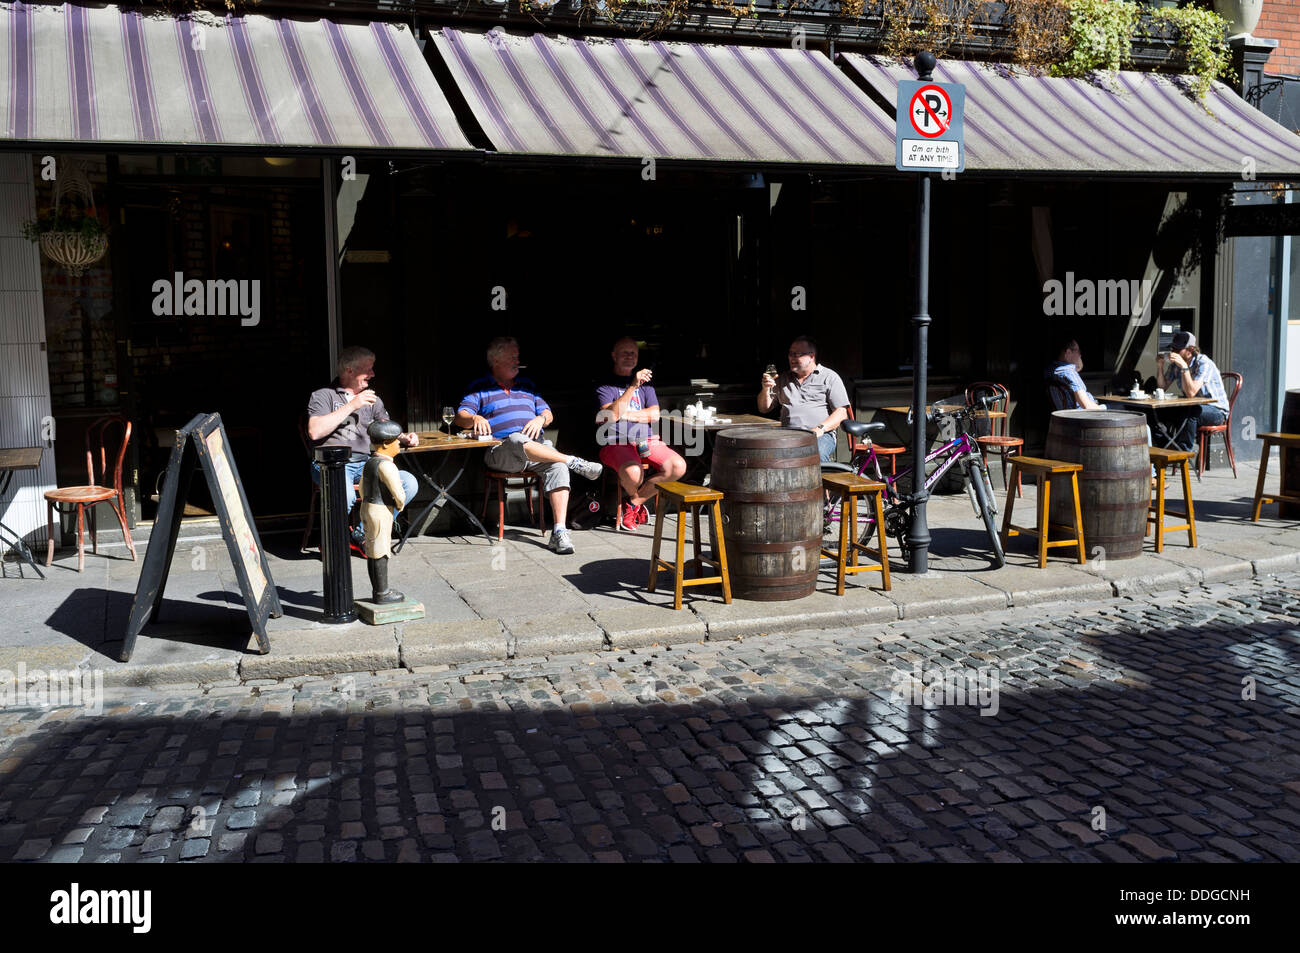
[959, 448]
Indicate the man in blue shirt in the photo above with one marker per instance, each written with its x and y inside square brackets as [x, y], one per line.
[1064, 374]
[1198, 376]
[509, 408]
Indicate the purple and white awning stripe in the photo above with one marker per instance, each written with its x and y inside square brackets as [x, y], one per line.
[1129, 123]
[634, 99]
[101, 74]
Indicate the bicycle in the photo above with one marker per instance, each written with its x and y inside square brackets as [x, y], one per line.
[960, 449]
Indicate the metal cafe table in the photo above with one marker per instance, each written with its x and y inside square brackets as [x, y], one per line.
[1152, 407]
[445, 446]
[18, 458]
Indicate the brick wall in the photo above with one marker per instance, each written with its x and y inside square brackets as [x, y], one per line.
[1280, 20]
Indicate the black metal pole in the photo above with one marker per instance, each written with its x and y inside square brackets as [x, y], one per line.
[918, 535]
[335, 554]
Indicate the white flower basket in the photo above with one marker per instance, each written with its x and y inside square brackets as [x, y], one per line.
[73, 251]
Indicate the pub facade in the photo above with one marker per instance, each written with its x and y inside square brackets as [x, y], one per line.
[281, 181]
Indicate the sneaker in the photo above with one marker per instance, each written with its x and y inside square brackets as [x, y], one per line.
[631, 519]
[585, 468]
[642, 514]
[560, 541]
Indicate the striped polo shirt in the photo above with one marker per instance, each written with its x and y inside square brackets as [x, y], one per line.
[506, 410]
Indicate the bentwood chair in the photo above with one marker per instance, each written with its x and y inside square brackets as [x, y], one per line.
[997, 440]
[80, 498]
[882, 450]
[1203, 433]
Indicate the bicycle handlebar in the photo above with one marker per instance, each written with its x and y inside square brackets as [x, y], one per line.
[981, 403]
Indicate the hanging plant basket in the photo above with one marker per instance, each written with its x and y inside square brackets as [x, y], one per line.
[70, 233]
[75, 251]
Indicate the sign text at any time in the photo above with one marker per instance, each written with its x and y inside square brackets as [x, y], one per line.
[928, 134]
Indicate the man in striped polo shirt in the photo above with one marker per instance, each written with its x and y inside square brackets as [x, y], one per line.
[509, 408]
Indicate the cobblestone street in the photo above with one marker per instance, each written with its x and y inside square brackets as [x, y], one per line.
[1158, 729]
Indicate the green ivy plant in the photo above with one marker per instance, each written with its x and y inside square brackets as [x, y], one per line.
[1202, 37]
[65, 219]
[1101, 38]
[1101, 33]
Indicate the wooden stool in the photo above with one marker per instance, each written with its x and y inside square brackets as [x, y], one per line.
[850, 486]
[1161, 459]
[1290, 440]
[1042, 471]
[497, 479]
[682, 495]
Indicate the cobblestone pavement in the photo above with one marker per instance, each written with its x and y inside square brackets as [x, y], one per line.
[1159, 729]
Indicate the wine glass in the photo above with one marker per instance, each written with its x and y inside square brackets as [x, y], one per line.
[448, 415]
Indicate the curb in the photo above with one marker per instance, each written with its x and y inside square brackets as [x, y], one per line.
[422, 648]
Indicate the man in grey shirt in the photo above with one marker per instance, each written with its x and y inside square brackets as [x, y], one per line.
[339, 415]
[811, 396]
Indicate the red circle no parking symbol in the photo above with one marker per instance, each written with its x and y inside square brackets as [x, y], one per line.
[930, 111]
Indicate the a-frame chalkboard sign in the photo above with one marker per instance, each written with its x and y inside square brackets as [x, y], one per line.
[203, 440]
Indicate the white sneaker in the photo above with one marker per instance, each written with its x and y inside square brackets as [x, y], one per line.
[588, 468]
[560, 542]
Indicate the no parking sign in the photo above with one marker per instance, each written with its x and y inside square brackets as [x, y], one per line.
[928, 132]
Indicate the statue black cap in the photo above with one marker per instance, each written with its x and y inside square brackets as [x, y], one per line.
[383, 431]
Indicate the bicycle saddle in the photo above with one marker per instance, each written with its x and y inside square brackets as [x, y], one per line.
[860, 428]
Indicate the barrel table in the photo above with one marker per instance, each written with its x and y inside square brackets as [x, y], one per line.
[771, 482]
[1115, 483]
[1290, 458]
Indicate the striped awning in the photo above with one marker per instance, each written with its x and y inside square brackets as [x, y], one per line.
[1135, 123]
[102, 74]
[617, 98]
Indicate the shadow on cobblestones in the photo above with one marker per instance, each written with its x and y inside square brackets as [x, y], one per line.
[1123, 735]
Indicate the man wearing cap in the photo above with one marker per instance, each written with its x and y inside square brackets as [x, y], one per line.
[339, 416]
[1198, 376]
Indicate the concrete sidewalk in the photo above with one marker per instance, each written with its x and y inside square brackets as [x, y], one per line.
[487, 603]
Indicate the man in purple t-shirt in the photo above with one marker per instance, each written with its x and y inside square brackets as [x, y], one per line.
[628, 409]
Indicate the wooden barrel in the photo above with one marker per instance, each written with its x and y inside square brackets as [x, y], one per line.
[771, 510]
[1290, 458]
[1115, 483]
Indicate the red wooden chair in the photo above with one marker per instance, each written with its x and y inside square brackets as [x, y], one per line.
[1203, 433]
[82, 498]
[997, 439]
[882, 450]
[499, 481]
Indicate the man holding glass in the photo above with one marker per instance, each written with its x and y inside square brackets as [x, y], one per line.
[812, 396]
[628, 410]
[339, 416]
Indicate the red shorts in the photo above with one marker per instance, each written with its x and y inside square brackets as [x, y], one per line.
[618, 455]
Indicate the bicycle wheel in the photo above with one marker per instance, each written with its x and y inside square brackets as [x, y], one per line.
[980, 486]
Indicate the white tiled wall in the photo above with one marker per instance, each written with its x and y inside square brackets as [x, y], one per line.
[24, 373]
